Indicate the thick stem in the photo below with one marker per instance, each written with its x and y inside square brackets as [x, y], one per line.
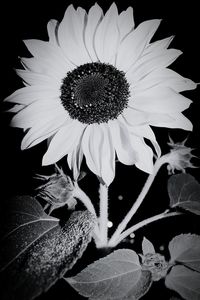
[103, 215]
[114, 243]
[139, 200]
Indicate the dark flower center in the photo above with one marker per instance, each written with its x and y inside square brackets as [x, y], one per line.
[95, 93]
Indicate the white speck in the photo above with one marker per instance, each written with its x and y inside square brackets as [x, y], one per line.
[110, 224]
[132, 235]
[120, 197]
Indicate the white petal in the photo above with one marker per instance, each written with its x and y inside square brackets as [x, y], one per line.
[27, 95]
[158, 46]
[126, 23]
[160, 100]
[71, 36]
[43, 130]
[121, 141]
[50, 53]
[133, 45]
[52, 28]
[63, 142]
[132, 117]
[107, 36]
[95, 16]
[37, 112]
[166, 78]
[16, 108]
[46, 67]
[179, 121]
[74, 159]
[150, 62]
[99, 152]
[37, 79]
[144, 154]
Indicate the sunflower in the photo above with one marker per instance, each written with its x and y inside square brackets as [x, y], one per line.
[96, 87]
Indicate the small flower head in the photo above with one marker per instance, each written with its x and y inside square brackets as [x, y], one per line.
[57, 190]
[179, 157]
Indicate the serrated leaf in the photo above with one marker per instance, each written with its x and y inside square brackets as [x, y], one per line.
[147, 247]
[185, 282]
[141, 288]
[184, 191]
[36, 267]
[185, 248]
[111, 277]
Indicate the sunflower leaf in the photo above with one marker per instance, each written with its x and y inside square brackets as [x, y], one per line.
[141, 287]
[147, 246]
[111, 277]
[184, 192]
[185, 249]
[36, 251]
[184, 281]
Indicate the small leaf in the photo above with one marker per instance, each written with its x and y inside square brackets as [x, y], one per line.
[141, 288]
[185, 248]
[38, 256]
[147, 247]
[185, 282]
[111, 277]
[184, 191]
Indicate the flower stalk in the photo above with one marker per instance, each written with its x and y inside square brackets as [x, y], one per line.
[159, 162]
[103, 215]
[132, 229]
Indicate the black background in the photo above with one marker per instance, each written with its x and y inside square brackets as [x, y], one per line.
[26, 20]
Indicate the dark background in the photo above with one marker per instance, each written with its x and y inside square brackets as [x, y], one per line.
[26, 20]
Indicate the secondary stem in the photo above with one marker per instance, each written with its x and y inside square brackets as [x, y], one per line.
[139, 225]
[103, 217]
[139, 200]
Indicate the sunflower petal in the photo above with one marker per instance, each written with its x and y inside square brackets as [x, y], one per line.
[179, 121]
[95, 16]
[121, 142]
[74, 159]
[99, 152]
[37, 112]
[107, 36]
[144, 154]
[148, 63]
[52, 28]
[43, 130]
[134, 44]
[125, 23]
[160, 100]
[145, 131]
[166, 78]
[63, 142]
[70, 36]
[27, 95]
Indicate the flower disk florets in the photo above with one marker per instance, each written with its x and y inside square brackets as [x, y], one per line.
[95, 93]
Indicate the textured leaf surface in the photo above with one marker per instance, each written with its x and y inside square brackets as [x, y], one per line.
[147, 247]
[184, 191]
[111, 277]
[141, 287]
[185, 282]
[185, 248]
[25, 223]
[43, 260]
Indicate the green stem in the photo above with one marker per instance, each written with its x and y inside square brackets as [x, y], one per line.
[139, 200]
[103, 216]
[139, 225]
